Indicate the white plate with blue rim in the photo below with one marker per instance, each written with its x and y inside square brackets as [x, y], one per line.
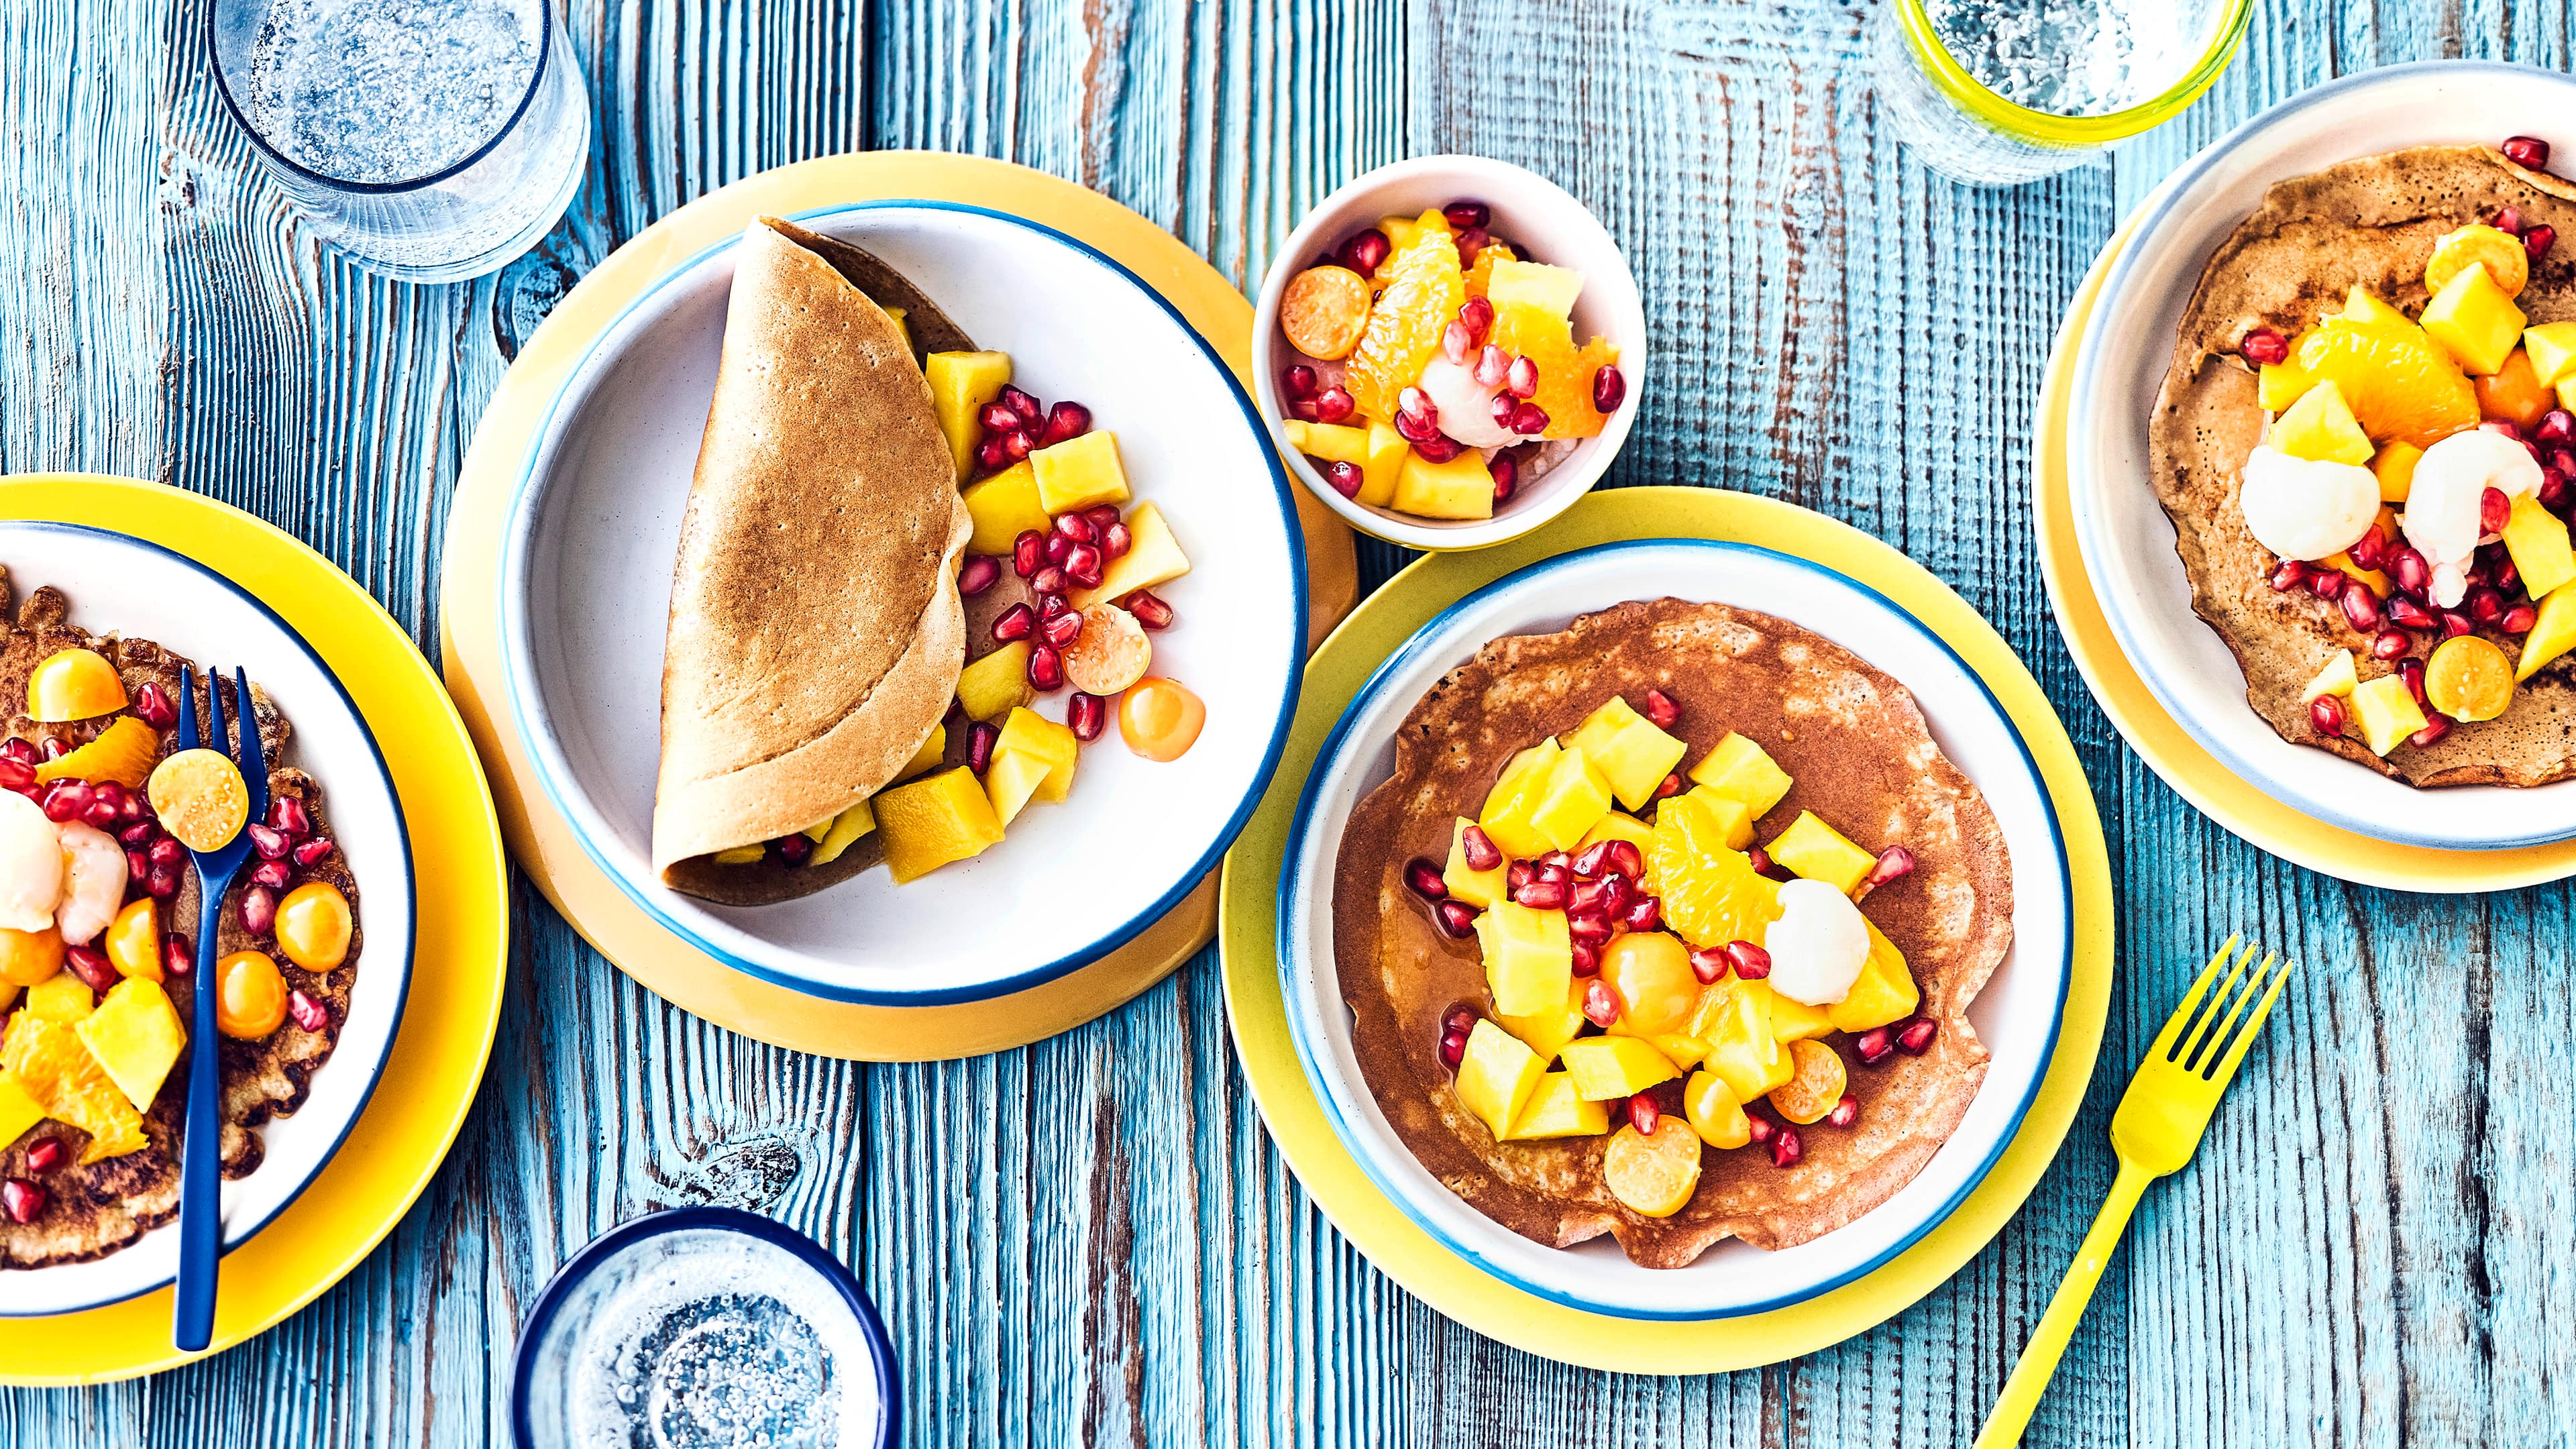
[2016, 1015]
[2127, 541]
[585, 593]
[126, 586]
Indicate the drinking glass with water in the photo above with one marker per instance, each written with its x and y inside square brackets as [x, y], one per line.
[1996, 92]
[427, 139]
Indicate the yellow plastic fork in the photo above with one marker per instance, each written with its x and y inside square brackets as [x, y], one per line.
[2159, 1123]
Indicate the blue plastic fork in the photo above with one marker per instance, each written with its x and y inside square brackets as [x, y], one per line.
[201, 1150]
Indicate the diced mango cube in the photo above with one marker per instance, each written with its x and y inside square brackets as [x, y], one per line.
[2552, 348]
[2386, 708]
[1742, 770]
[1334, 442]
[135, 1037]
[751, 854]
[1608, 1068]
[996, 684]
[1794, 1020]
[60, 997]
[1080, 472]
[1554, 1109]
[846, 830]
[1478, 888]
[1387, 451]
[2475, 321]
[2537, 540]
[1547, 1032]
[1004, 506]
[1153, 557]
[2362, 305]
[1709, 1105]
[49, 1060]
[2550, 637]
[1463, 487]
[934, 821]
[2394, 467]
[1027, 732]
[934, 748]
[2277, 385]
[1629, 751]
[961, 384]
[1685, 1052]
[2338, 677]
[1817, 851]
[1883, 993]
[1010, 779]
[1617, 826]
[1497, 1076]
[1742, 1050]
[1550, 289]
[1515, 796]
[2320, 427]
[1529, 958]
[1573, 801]
[1734, 818]
[18, 1110]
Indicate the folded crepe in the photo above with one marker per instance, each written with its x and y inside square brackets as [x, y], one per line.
[816, 631]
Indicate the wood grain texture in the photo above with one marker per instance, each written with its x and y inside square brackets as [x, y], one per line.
[1091, 1240]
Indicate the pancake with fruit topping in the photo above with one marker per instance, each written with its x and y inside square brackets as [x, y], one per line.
[2367, 445]
[94, 1053]
[1610, 1010]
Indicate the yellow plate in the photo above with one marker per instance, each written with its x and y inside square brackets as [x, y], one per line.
[470, 639]
[2160, 740]
[459, 953]
[1376, 1225]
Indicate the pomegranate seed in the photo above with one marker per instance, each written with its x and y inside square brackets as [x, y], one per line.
[1058, 548]
[2529, 152]
[1605, 898]
[1590, 928]
[2519, 619]
[793, 850]
[1063, 629]
[1065, 422]
[24, 1200]
[2504, 427]
[1438, 448]
[1077, 529]
[45, 1155]
[1786, 1149]
[1461, 1019]
[1423, 879]
[1046, 669]
[1367, 252]
[1600, 1003]
[1541, 895]
[1558, 861]
[1084, 563]
[1049, 579]
[1502, 407]
[1085, 714]
[1625, 860]
[1464, 214]
[176, 958]
[137, 866]
[1016, 446]
[2326, 713]
[1522, 378]
[2360, 610]
[314, 1016]
[1149, 610]
[2558, 425]
[1478, 314]
[1609, 389]
[1873, 1045]
[1916, 1039]
[1455, 341]
[1478, 848]
[2555, 491]
[90, 964]
[162, 883]
[2406, 613]
[1645, 914]
[101, 813]
[1016, 622]
[2370, 549]
[978, 576]
[152, 704]
[271, 843]
[54, 749]
[2264, 345]
[2289, 575]
[2408, 569]
[2391, 644]
[1762, 1127]
[287, 814]
[1455, 918]
[1588, 865]
[1453, 1049]
[1894, 863]
[1298, 382]
[1672, 786]
[112, 793]
[1335, 404]
[1413, 402]
[2435, 726]
[258, 910]
[1492, 366]
[1101, 515]
[19, 750]
[1643, 1114]
[1846, 1111]
[2538, 239]
[2494, 510]
[1661, 710]
[168, 851]
[1506, 474]
[1709, 965]
[1028, 553]
[1415, 429]
[16, 775]
[2327, 585]
[274, 874]
[2510, 220]
[1587, 958]
[1469, 242]
[980, 739]
[998, 418]
[138, 834]
[1023, 403]
[313, 852]
[2411, 671]
[1751, 962]
[1521, 874]
[68, 799]
[2455, 624]
[1115, 540]
[2505, 576]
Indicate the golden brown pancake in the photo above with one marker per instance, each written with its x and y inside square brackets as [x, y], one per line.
[1863, 760]
[97, 1209]
[2371, 223]
[816, 631]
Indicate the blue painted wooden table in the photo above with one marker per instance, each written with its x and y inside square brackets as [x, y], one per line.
[1091, 1240]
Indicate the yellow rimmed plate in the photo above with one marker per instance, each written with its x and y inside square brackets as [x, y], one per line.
[1376, 1225]
[460, 950]
[544, 843]
[2234, 802]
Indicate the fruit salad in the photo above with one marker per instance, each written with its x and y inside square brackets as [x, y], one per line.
[1654, 977]
[1059, 583]
[97, 817]
[1439, 374]
[2417, 474]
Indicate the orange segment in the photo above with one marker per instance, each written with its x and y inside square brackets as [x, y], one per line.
[50, 1061]
[123, 752]
[1422, 289]
[1710, 892]
[2399, 384]
[1565, 371]
[1482, 272]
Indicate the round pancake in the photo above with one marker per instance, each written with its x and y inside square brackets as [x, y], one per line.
[2372, 223]
[1863, 760]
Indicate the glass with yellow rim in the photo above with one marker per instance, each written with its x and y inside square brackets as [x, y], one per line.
[1965, 130]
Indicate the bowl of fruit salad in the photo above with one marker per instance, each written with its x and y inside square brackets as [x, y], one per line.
[2326, 454]
[1451, 351]
[1675, 929]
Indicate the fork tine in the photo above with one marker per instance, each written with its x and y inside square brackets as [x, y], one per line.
[254, 767]
[216, 739]
[2164, 1042]
[2227, 1065]
[188, 736]
[2202, 1033]
[2205, 1053]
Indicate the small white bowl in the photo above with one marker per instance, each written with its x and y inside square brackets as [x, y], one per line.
[1546, 224]
[2016, 1015]
[2128, 543]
